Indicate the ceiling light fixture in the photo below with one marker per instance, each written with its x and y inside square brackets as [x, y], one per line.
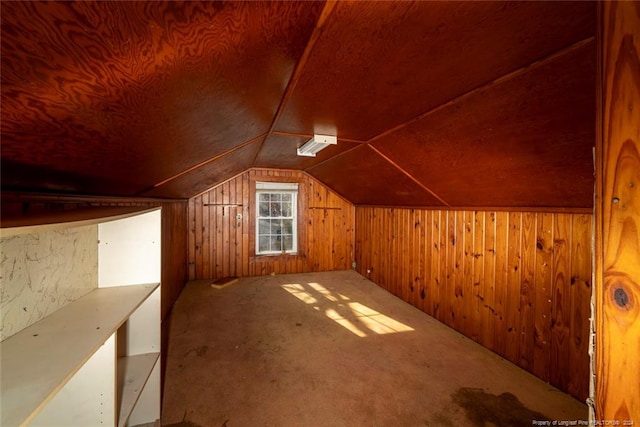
[315, 144]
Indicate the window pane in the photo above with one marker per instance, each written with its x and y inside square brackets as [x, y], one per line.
[276, 226]
[288, 243]
[286, 209]
[263, 244]
[264, 209]
[287, 226]
[276, 209]
[264, 226]
[276, 243]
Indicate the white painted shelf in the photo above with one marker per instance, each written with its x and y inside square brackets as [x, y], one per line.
[133, 373]
[39, 360]
[94, 361]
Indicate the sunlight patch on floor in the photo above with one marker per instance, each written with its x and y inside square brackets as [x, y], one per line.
[298, 291]
[351, 315]
[345, 323]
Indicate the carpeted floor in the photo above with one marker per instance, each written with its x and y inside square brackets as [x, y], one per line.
[334, 349]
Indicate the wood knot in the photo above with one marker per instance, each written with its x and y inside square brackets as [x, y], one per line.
[620, 294]
[621, 297]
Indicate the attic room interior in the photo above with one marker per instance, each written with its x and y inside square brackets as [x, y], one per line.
[465, 249]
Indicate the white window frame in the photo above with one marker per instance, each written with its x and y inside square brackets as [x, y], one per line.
[282, 188]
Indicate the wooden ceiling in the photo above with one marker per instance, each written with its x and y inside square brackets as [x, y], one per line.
[463, 104]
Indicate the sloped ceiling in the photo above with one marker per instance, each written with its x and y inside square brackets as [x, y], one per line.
[434, 103]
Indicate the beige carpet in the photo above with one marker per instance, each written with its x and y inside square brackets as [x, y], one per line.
[334, 349]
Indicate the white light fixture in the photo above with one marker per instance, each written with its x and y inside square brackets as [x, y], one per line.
[315, 144]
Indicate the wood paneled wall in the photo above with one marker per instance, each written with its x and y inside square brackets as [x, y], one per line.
[617, 246]
[221, 244]
[519, 283]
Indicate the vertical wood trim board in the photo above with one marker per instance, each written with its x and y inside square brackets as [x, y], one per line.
[223, 245]
[519, 283]
[617, 248]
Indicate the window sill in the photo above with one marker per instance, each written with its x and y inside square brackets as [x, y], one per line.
[276, 257]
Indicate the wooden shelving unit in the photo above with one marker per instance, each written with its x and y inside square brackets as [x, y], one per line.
[94, 361]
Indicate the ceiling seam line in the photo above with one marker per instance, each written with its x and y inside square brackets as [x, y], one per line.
[221, 183]
[199, 165]
[328, 186]
[424, 187]
[501, 79]
[297, 71]
[333, 157]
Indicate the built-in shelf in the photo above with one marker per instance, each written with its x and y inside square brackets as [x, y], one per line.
[90, 358]
[133, 373]
[39, 360]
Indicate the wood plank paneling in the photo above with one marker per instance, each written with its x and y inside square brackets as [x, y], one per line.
[501, 253]
[487, 309]
[512, 302]
[174, 252]
[516, 282]
[478, 281]
[452, 269]
[581, 289]
[561, 301]
[543, 280]
[617, 246]
[527, 291]
[325, 229]
[468, 293]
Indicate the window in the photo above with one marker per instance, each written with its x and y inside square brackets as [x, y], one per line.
[276, 218]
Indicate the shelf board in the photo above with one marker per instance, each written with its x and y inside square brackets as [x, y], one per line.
[56, 220]
[39, 360]
[133, 373]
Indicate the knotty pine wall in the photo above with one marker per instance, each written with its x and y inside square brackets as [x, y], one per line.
[617, 213]
[519, 283]
[221, 245]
